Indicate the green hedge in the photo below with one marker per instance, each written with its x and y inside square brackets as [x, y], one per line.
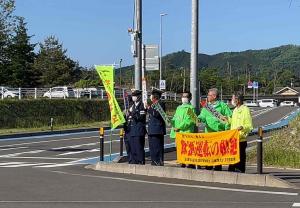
[37, 113]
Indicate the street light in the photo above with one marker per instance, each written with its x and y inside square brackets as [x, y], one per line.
[120, 72]
[160, 62]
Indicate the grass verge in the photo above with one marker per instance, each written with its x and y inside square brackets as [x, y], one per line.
[283, 149]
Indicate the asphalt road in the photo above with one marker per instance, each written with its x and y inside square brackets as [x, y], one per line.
[48, 172]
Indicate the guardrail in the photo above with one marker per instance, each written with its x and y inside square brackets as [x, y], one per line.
[64, 93]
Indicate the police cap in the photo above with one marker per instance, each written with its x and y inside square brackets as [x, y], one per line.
[156, 92]
[136, 92]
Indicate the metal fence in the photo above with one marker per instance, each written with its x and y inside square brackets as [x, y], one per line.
[67, 93]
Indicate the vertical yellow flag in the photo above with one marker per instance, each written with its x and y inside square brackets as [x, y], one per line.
[106, 74]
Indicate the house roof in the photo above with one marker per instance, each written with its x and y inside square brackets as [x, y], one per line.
[281, 90]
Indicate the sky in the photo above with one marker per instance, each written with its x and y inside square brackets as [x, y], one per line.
[95, 31]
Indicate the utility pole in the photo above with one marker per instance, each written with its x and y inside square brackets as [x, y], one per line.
[161, 42]
[120, 72]
[138, 41]
[194, 55]
[183, 86]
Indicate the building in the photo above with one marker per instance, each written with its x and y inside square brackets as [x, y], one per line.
[288, 93]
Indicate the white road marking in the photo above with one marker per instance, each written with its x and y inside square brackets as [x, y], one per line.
[148, 201]
[47, 158]
[265, 111]
[13, 148]
[74, 146]
[55, 140]
[57, 165]
[21, 164]
[79, 152]
[9, 163]
[183, 185]
[296, 205]
[21, 153]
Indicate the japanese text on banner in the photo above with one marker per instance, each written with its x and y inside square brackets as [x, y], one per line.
[106, 74]
[208, 149]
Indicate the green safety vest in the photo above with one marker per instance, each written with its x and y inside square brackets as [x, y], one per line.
[213, 124]
[242, 117]
[182, 121]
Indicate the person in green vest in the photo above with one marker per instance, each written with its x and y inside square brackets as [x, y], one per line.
[241, 120]
[185, 118]
[215, 116]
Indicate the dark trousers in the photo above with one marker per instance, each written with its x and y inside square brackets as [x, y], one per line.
[127, 146]
[137, 144]
[156, 146]
[240, 166]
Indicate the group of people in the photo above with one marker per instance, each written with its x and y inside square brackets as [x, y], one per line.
[215, 115]
[135, 129]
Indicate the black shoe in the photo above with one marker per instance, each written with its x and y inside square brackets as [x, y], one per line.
[191, 166]
[155, 163]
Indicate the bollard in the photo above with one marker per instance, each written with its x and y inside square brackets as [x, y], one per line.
[51, 124]
[259, 157]
[101, 137]
[121, 141]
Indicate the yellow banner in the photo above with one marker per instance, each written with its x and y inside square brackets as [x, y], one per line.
[208, 149]
[106, 74]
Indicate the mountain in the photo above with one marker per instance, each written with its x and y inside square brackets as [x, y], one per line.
[272, 67]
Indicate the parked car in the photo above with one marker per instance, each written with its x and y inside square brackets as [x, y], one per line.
[60, 92]
[267, 103]
[251, 103]
[288, 103]
[8, 92]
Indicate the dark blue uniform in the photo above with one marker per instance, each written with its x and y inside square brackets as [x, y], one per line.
[127, 137]
[156, 132]
[137, 127]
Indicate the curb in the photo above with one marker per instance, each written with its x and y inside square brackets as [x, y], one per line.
[193, 175]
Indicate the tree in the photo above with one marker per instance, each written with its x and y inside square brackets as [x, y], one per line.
[53, 65]
[7, 20]
[22, 55]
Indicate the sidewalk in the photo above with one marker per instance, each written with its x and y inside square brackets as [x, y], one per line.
[273, 177]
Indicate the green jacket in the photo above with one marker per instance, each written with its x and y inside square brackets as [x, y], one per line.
[242, 117]
[182, 120]
[212, 124]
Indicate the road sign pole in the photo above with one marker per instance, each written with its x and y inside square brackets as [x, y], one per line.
[260, 151]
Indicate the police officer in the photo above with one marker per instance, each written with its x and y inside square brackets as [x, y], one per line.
[137, 121]
[127, 129]
[156, 129]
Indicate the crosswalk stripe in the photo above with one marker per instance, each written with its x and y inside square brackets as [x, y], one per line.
[56, 165]
[296, 205]
[78, 152]
[9, 163]
[23, 165]
[13, 148]
[21, 153]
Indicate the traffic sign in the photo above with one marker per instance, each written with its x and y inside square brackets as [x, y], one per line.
[162, 84]
[144, 90]
[255, 85]
[250, 84]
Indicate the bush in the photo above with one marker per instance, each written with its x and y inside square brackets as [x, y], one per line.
[37, 113]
